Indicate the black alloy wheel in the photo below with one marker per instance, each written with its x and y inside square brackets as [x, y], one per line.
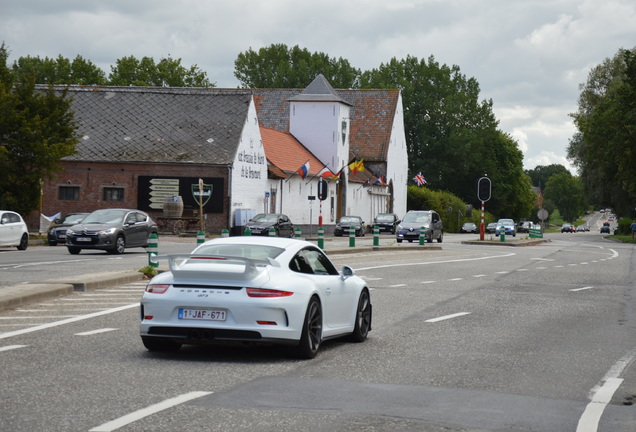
[24, 242]
[311, 335]
[363, 318]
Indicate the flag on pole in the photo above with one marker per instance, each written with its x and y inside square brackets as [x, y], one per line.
[303, 170]
[356, 166]
[419, 179]
[325, 173]
[380, 181]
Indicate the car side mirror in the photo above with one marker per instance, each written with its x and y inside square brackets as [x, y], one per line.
[346, 272]
[398, 221]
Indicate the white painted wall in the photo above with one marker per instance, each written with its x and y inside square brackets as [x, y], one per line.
[397, 160]
[248, 182]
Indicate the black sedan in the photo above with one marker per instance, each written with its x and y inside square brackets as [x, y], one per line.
[262, 222]
[112, 230]
[57, 231]
[386, 222]
[346, 222]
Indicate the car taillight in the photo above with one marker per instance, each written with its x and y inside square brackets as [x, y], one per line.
[157, 288]
[261, 292]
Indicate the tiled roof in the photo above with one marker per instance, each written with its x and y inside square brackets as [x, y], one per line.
[372, 114]
[287, 153]
[138, 124]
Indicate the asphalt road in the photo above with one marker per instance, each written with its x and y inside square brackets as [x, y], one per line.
[465, 338]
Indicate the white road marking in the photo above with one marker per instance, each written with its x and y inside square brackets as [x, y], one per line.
[522, 269]
[12, 347]
[601, 394]
[428, 282]
[455, 279]
[92, 332]
[447, 317]
[67, 321]
[581, 289]
[503, 272]
[479, 275]
[397, 285]
[145, 412]
[435, 262]
[39, 317]
[542, 259]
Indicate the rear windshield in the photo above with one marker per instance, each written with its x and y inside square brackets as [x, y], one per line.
[239, 250]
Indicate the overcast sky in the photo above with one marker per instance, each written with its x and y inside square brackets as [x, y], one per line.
[529, 56]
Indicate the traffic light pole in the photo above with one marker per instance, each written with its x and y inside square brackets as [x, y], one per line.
[482, 229]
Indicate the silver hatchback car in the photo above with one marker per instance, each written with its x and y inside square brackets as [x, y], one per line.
[413, 222]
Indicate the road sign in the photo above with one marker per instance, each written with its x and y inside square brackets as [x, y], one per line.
[542, 214]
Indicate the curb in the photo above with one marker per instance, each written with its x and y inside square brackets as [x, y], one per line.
[17, 295]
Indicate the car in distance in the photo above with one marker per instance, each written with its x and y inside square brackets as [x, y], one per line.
[524, 226]
[605, 229]
[566, 227]
[254, 290]
[468, 227]
[491, 228]
[112, 230]
[580, 228]
[262, 222]
[386, 222]
[57, 231]
[413, 221]
[13, 230]
[346, 222]
[507, 226]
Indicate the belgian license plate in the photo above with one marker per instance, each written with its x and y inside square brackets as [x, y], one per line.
[203, 314]
[62, 236]
[83, 239]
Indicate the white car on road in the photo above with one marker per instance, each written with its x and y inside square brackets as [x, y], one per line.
[254, 289]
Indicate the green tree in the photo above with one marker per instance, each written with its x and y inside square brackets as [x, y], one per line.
[604, 147]
[36, 131]
[540, 174]
[167, 73]
[278, 66]
[566, 192]
[59, 71]
[452, 137]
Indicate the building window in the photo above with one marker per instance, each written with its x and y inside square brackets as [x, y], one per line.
[68, 193]
[113, 194]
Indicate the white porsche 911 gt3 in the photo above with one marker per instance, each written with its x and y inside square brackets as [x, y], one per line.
[254, 289]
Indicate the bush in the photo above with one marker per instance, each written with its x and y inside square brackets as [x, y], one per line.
[447, 205]
[624, 226]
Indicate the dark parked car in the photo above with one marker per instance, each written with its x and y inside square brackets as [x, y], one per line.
[344, 225]
[262, 222]
[566, 227]
[414, 220]
[112, 230]
[491, 228]
[468, 227]
[57, 231]
[386, 222]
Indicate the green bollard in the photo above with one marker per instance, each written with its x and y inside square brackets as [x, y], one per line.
[247, 231]
[200, 237]
[225, 232]
[321, 237]
[153, 249]
[272, 232]
[502, 235]
[422, 235]
[376, 236]
[297, 232]
[352, 236]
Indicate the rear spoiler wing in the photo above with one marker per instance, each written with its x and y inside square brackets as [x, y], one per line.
[178, 262]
